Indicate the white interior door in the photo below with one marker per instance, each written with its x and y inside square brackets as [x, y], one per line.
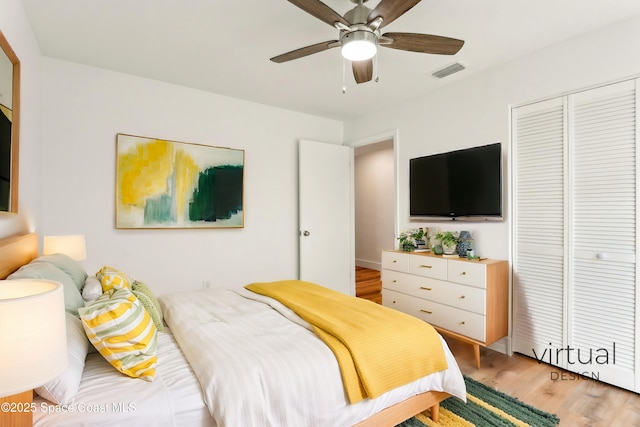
[326, 215]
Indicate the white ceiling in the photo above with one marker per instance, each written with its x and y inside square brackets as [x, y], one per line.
[224, 46]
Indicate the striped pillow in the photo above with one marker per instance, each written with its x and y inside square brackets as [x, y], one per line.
[121, 329]
[111, 278]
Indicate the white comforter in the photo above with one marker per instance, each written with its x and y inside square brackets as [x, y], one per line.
[107, 398]
[260, 365]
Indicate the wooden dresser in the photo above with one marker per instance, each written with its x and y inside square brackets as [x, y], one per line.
[465, 299]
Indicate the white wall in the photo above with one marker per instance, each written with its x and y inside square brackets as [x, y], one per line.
[374, 202]
[84, 108]
[17, 30]
[67, 185]
[475, 111]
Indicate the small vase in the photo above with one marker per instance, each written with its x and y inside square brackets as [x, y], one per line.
[437, 248]
[463, 246]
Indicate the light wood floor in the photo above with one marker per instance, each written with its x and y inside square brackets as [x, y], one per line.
[577, 401]
[368, 284]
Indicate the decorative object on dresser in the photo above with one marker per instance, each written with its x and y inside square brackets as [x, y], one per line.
[465, 242]
[410, 239]
[449, 241]
[464, 299]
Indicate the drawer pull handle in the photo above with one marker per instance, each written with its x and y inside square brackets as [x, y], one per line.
[462, 297]
[425, 288]
[462, 323]
[425, 266]
[394, 261]
[426, 311]
[463, 273]
[395, 281]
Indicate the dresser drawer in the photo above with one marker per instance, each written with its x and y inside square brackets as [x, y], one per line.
[453, 319]
[399, 301]
[427, 266]
[459, 296]
[395, 261]
[471, 325]
[467, 273]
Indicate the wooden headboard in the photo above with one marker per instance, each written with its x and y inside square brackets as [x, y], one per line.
[16, 251]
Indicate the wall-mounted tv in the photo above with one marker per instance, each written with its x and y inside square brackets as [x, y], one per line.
[464, 183]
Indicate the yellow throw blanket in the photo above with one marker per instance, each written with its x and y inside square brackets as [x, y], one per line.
[377, 348]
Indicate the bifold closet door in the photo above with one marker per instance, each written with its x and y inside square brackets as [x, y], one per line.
[538, 156]
[575, 231]
[602, 275]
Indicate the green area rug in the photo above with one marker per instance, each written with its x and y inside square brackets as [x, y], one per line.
[485, 407]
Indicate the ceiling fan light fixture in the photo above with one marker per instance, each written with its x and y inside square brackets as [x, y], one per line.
[359, 45]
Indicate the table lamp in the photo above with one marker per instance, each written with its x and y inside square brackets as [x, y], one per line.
[33, 344]
[73, 246]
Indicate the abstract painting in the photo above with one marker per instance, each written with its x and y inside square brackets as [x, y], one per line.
[169, 184]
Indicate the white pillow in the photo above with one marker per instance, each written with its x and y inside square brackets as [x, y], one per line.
[63, 389]
[92, 289]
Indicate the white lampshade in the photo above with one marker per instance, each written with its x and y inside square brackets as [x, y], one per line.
[359, 45]
[73, 246]
[33, 337]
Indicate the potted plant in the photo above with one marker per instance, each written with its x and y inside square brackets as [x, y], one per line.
[409, 239]
[449, 241]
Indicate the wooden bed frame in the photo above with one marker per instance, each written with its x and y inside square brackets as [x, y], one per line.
[16, 251]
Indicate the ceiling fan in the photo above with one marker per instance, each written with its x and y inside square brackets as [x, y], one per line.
[360, 34]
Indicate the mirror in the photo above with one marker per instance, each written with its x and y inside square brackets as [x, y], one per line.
[9, 126]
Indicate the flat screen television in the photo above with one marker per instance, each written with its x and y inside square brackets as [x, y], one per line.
[464, 183]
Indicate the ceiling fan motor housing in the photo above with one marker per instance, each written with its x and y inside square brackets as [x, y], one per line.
[360, 41]
[358, 15]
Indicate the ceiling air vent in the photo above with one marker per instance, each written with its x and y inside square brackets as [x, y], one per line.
[448, 70]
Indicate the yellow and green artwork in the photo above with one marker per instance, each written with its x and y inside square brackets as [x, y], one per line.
[169, 184]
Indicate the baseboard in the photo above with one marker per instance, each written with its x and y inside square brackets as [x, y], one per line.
[369, 264]
[500, 346]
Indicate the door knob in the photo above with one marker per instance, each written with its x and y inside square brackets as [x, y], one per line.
[305, 233]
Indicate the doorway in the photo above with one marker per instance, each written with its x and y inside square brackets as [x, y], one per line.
[375, 209]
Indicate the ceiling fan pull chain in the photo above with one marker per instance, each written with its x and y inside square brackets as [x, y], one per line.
[375, 69]
[344, 73]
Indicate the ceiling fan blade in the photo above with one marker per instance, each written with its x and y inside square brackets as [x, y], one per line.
[390, 10]
[362, 70]
[305, 51]
[320, 11]
[423, 43]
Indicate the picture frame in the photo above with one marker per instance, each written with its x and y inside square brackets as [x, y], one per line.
[170, 184]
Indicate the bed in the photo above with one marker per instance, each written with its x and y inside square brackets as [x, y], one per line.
[186, 392]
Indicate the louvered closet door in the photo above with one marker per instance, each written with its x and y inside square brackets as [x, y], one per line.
[575, 233]
[538, 156]
[602, 275]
